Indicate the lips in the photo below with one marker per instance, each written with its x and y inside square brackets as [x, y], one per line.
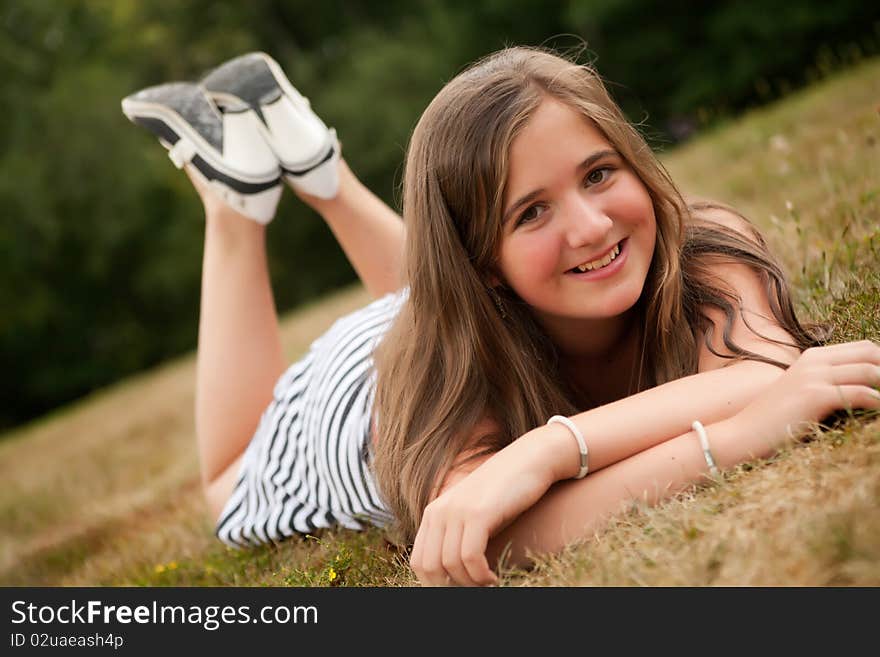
[599, 262]
[612, 269]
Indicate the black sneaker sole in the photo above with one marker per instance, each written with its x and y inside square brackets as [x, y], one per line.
[149, 110]
[169, 138]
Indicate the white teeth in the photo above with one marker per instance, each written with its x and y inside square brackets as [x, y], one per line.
[597, 264]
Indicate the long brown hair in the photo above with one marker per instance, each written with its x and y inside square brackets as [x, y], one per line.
[451, 358]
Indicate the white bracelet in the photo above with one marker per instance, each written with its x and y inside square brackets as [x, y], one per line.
[704, 443]
[582, 444]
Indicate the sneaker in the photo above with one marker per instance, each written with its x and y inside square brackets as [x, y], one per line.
[306, 148]
[226, 150]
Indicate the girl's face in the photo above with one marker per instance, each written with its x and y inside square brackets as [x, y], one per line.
[572, 204]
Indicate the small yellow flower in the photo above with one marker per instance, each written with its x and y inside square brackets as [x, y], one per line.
[160, 568]
[172, 565]
[331, 574]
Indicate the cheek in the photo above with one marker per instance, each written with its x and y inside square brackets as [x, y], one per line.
[634, 204]
[528, 258]
[649, 225]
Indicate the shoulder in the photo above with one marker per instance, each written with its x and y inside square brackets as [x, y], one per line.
[719, 215]
[725, 259]
[753, 325]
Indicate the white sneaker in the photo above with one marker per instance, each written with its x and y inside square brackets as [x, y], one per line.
[305, 147]
[226, 150]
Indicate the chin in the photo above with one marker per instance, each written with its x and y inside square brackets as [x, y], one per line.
[620, 301]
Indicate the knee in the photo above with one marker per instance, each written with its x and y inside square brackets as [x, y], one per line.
[214, 498]
[218, 489]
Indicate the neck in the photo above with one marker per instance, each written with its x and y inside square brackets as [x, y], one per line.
[605, 367]
[593, 340]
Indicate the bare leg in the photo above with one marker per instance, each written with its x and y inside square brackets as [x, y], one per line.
[239, 350]
[370, 233]
[239, 353]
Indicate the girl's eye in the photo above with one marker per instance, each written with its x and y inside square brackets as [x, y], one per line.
[598, 176]
[530, 213]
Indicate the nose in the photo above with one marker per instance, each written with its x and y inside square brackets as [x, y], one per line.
[586, 223]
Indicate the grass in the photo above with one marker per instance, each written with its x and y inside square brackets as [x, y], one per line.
[105, 491]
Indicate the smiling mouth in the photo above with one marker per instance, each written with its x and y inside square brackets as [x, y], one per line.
[600, 263]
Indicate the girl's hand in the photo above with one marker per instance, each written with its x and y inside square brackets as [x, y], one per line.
[450, 546]
[821, 381]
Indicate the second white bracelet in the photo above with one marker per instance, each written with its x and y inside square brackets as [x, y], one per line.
[704, 443]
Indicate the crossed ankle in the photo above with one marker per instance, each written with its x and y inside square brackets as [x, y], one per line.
[228, 220]
[345, 180]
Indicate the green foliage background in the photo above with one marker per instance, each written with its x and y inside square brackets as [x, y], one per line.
[100, 237]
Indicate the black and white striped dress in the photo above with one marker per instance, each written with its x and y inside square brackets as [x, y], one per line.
[306, 466]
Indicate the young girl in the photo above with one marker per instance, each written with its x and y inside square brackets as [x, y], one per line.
[563, 333]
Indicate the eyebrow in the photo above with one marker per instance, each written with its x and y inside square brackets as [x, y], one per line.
[586, 164]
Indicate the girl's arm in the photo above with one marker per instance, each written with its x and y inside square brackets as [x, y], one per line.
[506, 499]
[633, 424]
[572, 509]
[822, 381]
[630, 425]
[522, 472]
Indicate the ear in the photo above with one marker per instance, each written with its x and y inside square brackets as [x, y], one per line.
[493, 278]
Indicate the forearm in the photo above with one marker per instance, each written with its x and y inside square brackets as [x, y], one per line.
[626, 427]
[641, 447]
[574, 509]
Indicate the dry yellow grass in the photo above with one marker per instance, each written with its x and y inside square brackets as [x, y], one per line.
[105, 492]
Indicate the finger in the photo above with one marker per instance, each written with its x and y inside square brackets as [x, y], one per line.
[416, 557]
[422, 560]
[452, 562]
[432, 554]
[473, 550]
[854, 396]
[864, 351]
[863, 374]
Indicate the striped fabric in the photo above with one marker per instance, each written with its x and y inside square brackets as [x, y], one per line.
[305, 468]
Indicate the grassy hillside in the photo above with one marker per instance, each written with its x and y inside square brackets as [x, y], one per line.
[105, 492]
